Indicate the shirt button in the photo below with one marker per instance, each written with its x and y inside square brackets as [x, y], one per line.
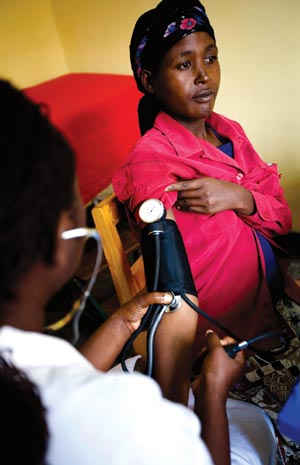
[239, 176]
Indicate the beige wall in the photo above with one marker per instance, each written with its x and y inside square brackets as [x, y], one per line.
[259, 43]
[96, 37]
[30, 48]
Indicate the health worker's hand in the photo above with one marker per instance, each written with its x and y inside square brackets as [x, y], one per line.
[133, 311]
[219, 372]
[209, 196]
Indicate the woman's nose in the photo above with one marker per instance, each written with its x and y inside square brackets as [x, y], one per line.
[201, 75]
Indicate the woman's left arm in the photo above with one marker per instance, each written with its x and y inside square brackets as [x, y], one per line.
[272, 213]
[210, 196]
[259, 201]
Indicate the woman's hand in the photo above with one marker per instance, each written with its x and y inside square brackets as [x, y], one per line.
[133, 311]
[210, 196]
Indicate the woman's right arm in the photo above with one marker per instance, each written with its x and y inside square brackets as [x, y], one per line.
[174, 349]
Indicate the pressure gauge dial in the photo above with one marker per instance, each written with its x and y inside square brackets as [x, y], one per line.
[152, 210]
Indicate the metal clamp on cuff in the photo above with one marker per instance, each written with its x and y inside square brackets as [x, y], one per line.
[175, 304]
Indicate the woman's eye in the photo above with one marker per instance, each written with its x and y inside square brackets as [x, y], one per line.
[211, 59]
[184, 65]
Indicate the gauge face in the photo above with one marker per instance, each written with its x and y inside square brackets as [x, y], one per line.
[151, 210]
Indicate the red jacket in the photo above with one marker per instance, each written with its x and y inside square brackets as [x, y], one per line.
[224, 254]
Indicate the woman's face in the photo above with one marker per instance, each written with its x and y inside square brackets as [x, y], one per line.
[188, 78]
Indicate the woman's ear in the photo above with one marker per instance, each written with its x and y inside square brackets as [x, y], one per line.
[146, 78]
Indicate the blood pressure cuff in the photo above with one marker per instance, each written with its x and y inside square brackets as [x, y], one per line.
[162, 241]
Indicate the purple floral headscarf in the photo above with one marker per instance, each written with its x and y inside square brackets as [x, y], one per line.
[157, 30]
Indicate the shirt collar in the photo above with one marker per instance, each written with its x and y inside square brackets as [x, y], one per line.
[186, 144]
[25, 348]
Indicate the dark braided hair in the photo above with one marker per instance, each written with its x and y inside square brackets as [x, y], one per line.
[24, 436]
[36, 184]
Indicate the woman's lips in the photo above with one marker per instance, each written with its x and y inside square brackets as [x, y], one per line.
[203, 96]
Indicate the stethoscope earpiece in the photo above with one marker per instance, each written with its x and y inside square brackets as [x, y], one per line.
[79, 306]
[80, 232]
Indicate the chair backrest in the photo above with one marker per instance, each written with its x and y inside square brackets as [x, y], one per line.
[127, 272]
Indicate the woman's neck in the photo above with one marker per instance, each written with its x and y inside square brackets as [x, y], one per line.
[200, 130]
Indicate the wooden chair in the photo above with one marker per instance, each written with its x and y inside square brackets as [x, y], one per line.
[119, 247]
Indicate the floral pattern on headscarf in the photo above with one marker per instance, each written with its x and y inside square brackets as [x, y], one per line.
[185, 24]
[139, 53]
[170, 29]
[188, 23]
